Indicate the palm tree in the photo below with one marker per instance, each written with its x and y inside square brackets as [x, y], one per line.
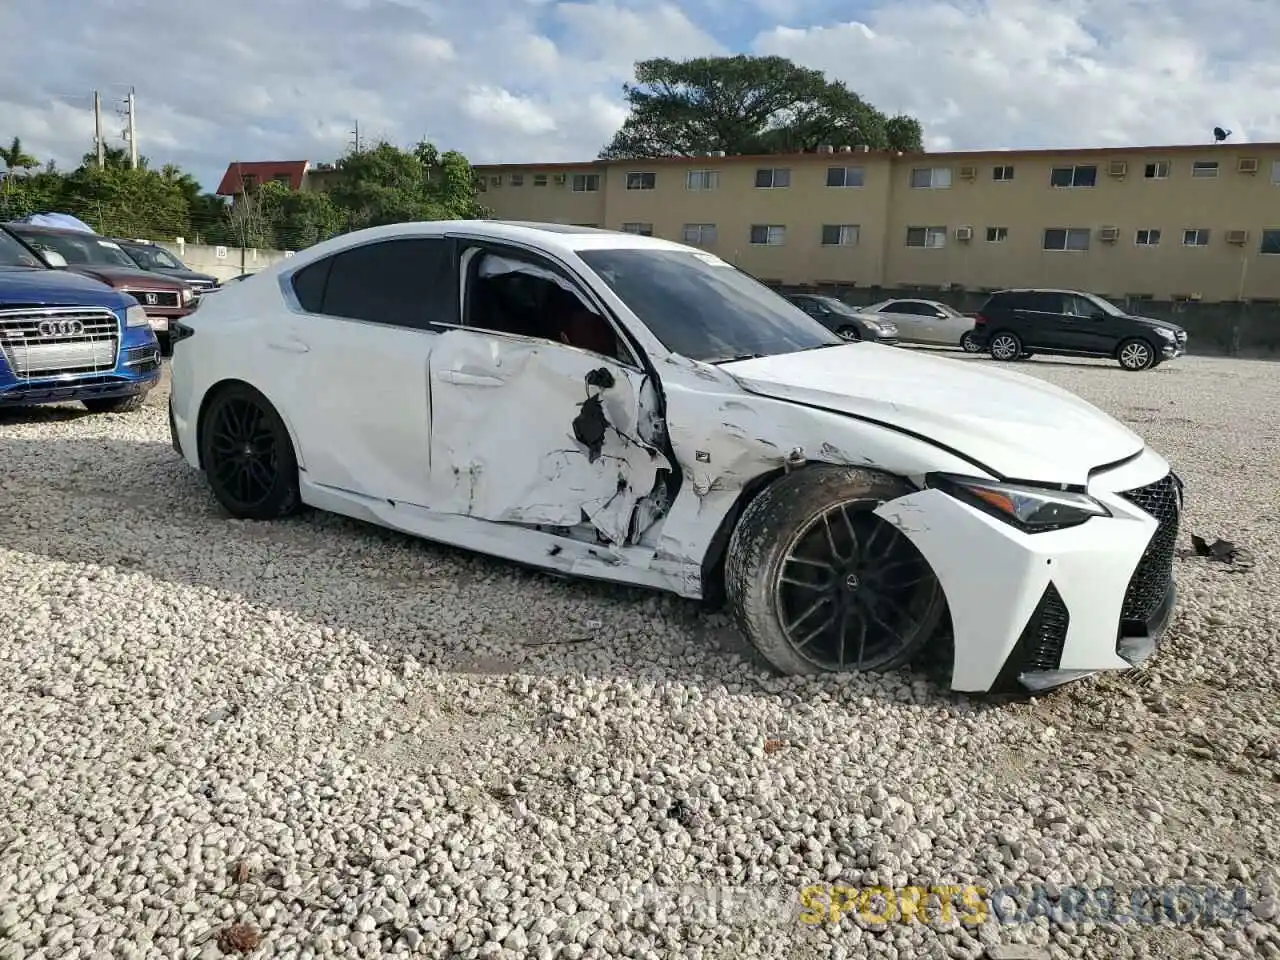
[15, 158]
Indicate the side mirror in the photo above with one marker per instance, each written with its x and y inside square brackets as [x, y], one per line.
[1098, 315]
[54, 259]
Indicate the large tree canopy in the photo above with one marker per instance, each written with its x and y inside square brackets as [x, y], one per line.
[747, 105]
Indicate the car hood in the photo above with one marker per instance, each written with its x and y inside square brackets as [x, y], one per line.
[124, 275]
[26, 286]
[190, 275]
[1015, 425]
[1162, 324]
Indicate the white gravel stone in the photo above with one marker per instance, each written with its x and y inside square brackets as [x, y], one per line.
[344, 737]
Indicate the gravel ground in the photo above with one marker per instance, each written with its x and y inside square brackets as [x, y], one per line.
[316, 738]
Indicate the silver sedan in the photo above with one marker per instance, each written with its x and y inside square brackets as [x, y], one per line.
[924, 321]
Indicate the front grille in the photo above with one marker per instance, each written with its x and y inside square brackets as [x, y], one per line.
[1154, 574]
[155, 298]
[58, 341]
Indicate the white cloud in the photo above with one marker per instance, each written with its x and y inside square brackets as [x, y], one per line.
[541, 80]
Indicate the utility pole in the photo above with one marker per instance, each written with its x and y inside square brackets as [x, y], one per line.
[133, 133]
[97, 129]
[356, 134]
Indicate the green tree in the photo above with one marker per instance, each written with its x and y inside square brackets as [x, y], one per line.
[16, 158]
[131, 203]
[386, 184]
[747, 105]
[113, 158]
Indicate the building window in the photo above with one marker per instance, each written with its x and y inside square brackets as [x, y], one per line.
[839, 234]
[845, 176]
[1270, 242]
[1196, 237]
[539, 179]
[1204, 169]
[1066, 238]
[702, 180]
[1002, 174]
[642, 181]
[1147, 238]
[517, 179]
[768, 235]
[586, 182]
[929, 237]
[1159, 170]
[774, 178]
[935, 178]
[1081, 175]
[997, 234]
[643, 229]
[700, 234]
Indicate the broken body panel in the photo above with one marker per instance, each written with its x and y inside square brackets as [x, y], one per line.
[549, 455]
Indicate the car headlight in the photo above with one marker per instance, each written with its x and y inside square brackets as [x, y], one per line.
[873, 327]
[1030, 509]
[136, 316]
[1167, 334]
[889, 329]
[188, 295]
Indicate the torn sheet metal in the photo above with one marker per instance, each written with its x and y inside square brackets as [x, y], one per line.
[536, 433]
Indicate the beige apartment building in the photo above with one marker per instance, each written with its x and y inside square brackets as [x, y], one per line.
[1195, 222]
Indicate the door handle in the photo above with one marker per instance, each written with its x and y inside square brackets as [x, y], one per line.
[470, 379]
[289, 345]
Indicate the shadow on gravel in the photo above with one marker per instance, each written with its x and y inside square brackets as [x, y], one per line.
[136, 507]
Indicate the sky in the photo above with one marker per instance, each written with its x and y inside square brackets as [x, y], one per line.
[541, 81]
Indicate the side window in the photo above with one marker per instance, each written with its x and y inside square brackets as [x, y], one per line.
[913, 309]
[405, 283]
[1045, 303]
[895, 306]
[1078, 307]
[512, 294]
[309, 283]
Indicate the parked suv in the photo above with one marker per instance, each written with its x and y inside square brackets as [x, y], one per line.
[165, 300]
[67, 337]
[1014, 324]
[153, 257]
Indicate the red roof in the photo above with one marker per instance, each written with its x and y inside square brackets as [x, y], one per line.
[262, 171]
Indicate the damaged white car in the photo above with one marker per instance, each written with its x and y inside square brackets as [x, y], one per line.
[623, 408]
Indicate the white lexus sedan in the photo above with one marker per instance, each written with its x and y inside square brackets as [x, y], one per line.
[619, 407]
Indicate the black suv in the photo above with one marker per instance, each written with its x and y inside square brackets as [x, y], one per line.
[1014, 324]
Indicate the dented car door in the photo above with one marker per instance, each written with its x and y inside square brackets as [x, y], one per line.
[527, 430]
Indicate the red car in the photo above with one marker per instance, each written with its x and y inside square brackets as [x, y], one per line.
[165, 300]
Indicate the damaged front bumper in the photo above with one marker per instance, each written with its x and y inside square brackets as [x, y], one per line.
[1031, 611]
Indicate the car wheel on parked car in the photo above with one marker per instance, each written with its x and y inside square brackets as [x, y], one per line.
[1005, 346]
[1135, 355]
[968, 344]
[849, 333]
[820, 583]
[248, 456]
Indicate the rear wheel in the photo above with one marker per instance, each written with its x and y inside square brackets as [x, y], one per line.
[115, 404]
[819, 583]
[849, 333]
[1135, 355]
[247, 455]
[1005, 346]
[968, 344]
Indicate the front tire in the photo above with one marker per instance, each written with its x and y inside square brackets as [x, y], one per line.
[1136, 354]
[818, 583]
[852, 334]
[248, 456]
[1005, 346]
[115, 404]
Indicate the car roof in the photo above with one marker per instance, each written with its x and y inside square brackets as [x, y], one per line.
[558, 237]
[1082, 293]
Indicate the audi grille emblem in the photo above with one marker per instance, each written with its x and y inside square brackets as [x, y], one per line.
[152, 298]
[61, 328]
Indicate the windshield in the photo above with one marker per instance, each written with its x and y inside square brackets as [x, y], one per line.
[80, 248]
[950, 310]
[14, 254]
[703, 308]
[1106, 306]
[151, 258]
[837, 306]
